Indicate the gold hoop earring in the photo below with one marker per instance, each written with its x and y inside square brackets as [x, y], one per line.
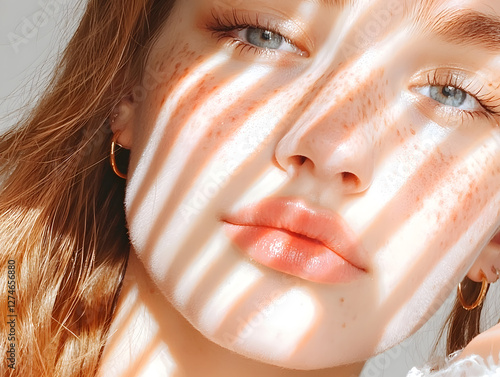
[480, 298]
[112, 156]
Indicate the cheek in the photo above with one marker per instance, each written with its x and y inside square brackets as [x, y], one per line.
[184, 147]
[447, 207]
[427, 236]
[198, 93]
[462, 186]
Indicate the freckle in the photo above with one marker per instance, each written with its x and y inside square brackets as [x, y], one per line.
[341, 300]
[412, 131]
[184, 73]
[343, 325]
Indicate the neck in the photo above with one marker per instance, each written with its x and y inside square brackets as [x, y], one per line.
[148, 337]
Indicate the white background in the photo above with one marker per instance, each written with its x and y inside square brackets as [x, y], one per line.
[32, 33]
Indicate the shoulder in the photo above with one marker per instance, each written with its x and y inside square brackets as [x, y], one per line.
[486, 344]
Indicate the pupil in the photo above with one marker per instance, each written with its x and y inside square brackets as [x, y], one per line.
[448, 95]
[267, 35]
[450, 91]
[265, 39]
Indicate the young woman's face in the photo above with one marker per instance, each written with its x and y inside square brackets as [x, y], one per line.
[310, 179]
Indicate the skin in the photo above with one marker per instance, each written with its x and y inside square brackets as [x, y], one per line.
[340, 119]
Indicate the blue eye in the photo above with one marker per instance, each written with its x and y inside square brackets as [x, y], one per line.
[451, 96]
[249, 32]
[264, 38]
[448, 95]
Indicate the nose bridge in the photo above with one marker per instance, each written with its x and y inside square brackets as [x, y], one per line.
[336, 132]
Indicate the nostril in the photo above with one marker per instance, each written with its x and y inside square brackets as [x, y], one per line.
[298, 160]
[350, 179]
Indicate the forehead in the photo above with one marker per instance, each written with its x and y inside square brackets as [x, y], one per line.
[473, 23]
[421, 11]
[415, 4]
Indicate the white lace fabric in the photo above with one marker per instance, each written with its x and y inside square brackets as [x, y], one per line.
[472, 366]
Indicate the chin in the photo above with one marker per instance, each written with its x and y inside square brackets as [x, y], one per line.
[281, 355]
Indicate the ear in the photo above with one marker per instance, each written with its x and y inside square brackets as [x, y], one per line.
[122, 121]
[488, 262]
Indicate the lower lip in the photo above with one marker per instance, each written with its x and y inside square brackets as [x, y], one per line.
[292, 254]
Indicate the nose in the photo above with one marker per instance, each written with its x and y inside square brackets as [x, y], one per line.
[336, 148]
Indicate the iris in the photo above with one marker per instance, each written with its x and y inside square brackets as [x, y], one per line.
[448, 95]
[264, 38]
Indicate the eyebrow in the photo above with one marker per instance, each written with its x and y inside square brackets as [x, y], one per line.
[468, 27]
[460, 26]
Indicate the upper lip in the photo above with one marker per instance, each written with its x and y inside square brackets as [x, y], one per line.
[294, 215]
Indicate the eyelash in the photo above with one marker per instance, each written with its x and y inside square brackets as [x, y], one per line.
[222, 27]
[488, 101]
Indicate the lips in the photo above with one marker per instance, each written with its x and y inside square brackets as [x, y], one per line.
[287, 235]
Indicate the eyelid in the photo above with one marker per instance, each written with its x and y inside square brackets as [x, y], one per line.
[277, 23]
[469, 82]
[474, 84]
[469, 97]
[240, 34]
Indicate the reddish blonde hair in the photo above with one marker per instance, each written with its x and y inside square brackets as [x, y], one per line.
[62, 220]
